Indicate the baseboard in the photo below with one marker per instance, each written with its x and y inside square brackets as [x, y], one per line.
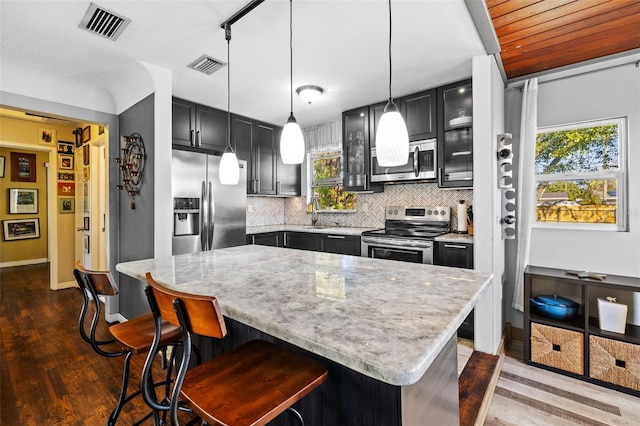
[117, 317]
[67, 284]
[23, 262]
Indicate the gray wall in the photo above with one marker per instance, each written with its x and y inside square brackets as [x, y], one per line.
[607, 93]
[136, 225]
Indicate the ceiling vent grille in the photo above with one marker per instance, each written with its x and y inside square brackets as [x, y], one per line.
[206, 64]
[103, 22]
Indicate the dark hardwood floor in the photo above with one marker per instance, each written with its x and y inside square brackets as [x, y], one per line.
[49, 375]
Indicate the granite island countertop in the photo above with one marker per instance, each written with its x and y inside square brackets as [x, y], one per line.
[385, 319]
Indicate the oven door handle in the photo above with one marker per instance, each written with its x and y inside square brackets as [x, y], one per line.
[396, 242]
[416, 167]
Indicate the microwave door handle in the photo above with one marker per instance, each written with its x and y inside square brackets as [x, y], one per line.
[416, 156]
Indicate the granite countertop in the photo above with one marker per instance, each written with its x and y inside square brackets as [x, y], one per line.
[385, 319]
[336, 230]
[455, 238]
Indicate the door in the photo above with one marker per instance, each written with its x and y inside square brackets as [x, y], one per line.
[243, 142]
[211, 133]
[183, 122]
[266, 159]
[419, 112]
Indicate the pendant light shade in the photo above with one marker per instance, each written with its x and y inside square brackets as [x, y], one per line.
[291, 141]
[392, 138]
[229, 172]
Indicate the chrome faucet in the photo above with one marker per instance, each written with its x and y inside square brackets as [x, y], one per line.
[315, 206]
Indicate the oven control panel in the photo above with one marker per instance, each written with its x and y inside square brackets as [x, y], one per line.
[427, 213]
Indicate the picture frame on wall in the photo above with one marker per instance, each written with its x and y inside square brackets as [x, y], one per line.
[86, 172]
[65, 162]
[47, 137]
[66, 176]
[20, 229]
[23, 167]
[65, 148]
[66, 205]
[78, 134]
[86, 223]
[86, 134]
[67, 189]
[23, 201]
[3, 160]
[87, 246]
[86, 152]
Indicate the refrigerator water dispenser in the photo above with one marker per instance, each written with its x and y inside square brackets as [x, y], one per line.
[186, 216]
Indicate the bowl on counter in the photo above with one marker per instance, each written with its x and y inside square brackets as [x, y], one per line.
[555, 307]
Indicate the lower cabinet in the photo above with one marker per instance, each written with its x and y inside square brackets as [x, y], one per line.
[576, 346]
[327, 243]
[458, 255]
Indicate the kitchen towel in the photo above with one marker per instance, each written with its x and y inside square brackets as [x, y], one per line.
[462, 217]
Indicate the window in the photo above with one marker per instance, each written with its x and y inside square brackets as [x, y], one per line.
[326, 183]
[580, 176]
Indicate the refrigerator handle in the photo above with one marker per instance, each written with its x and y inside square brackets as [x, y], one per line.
[212, 214]
[203, 218]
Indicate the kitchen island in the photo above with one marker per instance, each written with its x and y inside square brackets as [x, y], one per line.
[385, 329]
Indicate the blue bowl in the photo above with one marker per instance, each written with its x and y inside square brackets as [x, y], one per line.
[555, 307]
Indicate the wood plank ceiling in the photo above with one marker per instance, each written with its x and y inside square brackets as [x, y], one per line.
[539, 35]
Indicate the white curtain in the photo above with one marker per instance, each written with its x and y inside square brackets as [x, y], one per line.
[526, 202]
[324, 137]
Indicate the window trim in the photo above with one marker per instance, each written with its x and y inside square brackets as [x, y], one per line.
[620, 175]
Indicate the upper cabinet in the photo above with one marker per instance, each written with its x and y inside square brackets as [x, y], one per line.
[419, 113]
[198, 126]
[258, 144]
[455, 139]
[356, 151]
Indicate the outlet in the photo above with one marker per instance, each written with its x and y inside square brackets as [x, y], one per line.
[249, 208]
[365, 207]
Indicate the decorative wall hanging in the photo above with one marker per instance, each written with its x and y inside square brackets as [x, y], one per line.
[78, 134]
[66, 205]
[86, 134]
[65, 148]
[23, 200]
[66, 188]
[23, 167]
[21, 229]
[47, 136]
[132, 165]
[66, 162]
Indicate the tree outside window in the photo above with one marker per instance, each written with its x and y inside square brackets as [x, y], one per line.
[580, 175]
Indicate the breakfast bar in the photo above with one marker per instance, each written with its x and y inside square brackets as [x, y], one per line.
[385, 329]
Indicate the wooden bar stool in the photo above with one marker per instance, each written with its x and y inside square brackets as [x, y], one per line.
[132, 337]
[249, 385]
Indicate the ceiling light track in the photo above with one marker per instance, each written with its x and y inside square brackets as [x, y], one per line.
[239, 14]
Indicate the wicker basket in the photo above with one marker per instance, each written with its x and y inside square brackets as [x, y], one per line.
[614, 362]
[557, 347]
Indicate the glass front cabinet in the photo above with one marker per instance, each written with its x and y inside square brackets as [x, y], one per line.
[455, 159]
[356, 150]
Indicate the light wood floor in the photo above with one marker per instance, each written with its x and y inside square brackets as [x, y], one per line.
[49, 376]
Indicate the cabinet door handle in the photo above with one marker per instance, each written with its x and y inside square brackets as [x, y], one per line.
[439, 176]
[336, 237]
[278, 187]
[456, 154]
[258, 186]
[191, 138]
[199, 138]
[455, 246]
[286, 242]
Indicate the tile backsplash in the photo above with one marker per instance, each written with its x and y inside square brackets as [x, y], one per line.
[370, 207]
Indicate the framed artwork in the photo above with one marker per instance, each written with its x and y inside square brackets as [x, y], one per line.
[67, 189]
[21, 229]
[47, 136]
[86, 173]
[3, 159]
[65, 148]
[66, 176]
[65, 162]
[85, 197]
[86, 134]
[66, 205]
[23, 200]
[86, 152]
[23, 167]
[87, 246]
[100, 129]
[78, 134]
[86, 223]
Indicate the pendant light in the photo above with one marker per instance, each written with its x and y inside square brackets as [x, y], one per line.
[291, 141]
[392, 138]
[229, 168]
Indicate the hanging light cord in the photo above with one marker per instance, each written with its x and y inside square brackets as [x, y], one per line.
[291, 51]
[390, 71]
[228, 37]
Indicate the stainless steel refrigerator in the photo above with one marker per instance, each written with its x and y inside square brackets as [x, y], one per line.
[206, 214]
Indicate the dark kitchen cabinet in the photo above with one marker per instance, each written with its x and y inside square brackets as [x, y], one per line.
[198, 126]
[455, 137]
[302, 240]
[419, 113]
[356, 151]
[458, 255]
[258, 144]
[340, 244]
[273, 239]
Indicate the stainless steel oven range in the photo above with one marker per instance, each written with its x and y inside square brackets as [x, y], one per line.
[408, 233]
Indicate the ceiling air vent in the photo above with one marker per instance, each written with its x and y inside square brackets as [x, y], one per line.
[206, 64]
[103, 22]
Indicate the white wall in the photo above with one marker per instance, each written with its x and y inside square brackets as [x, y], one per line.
[597, 94]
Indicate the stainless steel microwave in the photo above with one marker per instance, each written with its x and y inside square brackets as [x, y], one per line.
[420, 166]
